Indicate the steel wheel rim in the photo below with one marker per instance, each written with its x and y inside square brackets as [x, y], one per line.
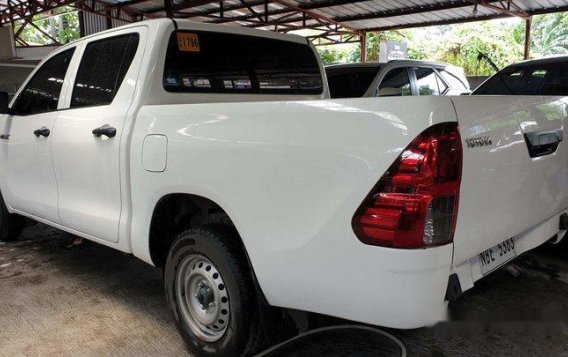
[202, 298]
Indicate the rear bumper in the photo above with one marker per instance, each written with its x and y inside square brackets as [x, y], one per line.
[380, 286]
[387, 287]
[469, 271]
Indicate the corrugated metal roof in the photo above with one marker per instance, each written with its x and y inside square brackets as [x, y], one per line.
[357, 14]
[353, 16]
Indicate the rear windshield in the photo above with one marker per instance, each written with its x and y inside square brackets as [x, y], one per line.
[350, 82]
[212, 62]
[550, 79]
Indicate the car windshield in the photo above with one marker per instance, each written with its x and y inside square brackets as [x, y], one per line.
[350, 81]
[541, 79]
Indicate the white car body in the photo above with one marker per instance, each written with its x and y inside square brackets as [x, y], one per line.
[290, 174]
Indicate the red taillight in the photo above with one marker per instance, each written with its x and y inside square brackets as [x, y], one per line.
[415, 203]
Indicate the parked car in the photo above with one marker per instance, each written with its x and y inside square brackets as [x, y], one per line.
[215, 154]
[547, 76]
[395, 78]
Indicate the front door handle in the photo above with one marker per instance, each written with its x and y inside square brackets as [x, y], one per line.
[43, 131]
[105, 130]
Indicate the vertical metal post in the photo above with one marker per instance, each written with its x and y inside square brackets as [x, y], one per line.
[168, 7]
[221, 9]
[528, 23]
[363, 39]
[108, 18]
[81, 23]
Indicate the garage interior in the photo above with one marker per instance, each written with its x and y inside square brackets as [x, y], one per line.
[91, 300]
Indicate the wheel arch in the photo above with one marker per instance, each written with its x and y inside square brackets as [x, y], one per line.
[175, 212]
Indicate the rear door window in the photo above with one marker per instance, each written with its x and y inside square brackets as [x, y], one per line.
[530, 80]
[395, 83]
[102, 70]
[212, 62]
[453, 81]
[556, 83]
[428, 82]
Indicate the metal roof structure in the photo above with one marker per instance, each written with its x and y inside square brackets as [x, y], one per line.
[332, 21]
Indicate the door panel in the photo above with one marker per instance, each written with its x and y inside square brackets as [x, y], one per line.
[87, 164]
[29, 183]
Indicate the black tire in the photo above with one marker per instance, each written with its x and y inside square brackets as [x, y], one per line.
[221, 246]
[11, 225]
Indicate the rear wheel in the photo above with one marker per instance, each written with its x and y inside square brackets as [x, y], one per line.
[211, 294]
[11, 225]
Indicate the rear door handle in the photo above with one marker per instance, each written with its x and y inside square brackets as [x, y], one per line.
[43, 131]
[542, 143]
[105, 130]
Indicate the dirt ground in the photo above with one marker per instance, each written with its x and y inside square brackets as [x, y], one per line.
[93, 301]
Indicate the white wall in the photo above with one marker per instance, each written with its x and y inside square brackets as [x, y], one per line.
[34, 53]
[7, 49]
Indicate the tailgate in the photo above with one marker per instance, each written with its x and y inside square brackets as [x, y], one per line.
[508, 186]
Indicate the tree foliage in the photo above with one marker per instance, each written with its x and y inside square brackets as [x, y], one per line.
[502, 41]
[61, 24]
[550, 35]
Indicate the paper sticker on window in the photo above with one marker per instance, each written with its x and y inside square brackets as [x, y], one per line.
[194, 82]
[170, 81]
[188, 42]
[202, 83]
[243, 84]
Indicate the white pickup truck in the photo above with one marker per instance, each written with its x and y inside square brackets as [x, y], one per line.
[213, 153]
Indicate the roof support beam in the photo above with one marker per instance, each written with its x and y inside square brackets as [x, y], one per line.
[178, 7]
[413, 10]
[169, 8]
[277, 11]
[505, 8]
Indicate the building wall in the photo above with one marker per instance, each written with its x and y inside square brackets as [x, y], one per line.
[7, 48]
[92, 23]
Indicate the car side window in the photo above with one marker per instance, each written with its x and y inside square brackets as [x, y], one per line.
[41, 94]
[453, 81]
[427, 82]
[395, 83]
[102, 70]
[531, 80]
[556, 83]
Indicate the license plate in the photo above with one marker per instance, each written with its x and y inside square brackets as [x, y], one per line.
[496, 256]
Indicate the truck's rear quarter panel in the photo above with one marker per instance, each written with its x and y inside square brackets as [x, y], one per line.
[291, 175]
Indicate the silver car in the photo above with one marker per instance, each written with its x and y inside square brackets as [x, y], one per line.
[395, 78]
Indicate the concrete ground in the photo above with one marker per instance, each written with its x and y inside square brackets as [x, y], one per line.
[93, 301]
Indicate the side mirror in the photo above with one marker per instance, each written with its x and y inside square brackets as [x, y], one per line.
[390, 92]
[4, 103]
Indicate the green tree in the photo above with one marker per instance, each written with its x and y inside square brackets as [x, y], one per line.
[331, 54]
[550, 35]
[61, 23]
